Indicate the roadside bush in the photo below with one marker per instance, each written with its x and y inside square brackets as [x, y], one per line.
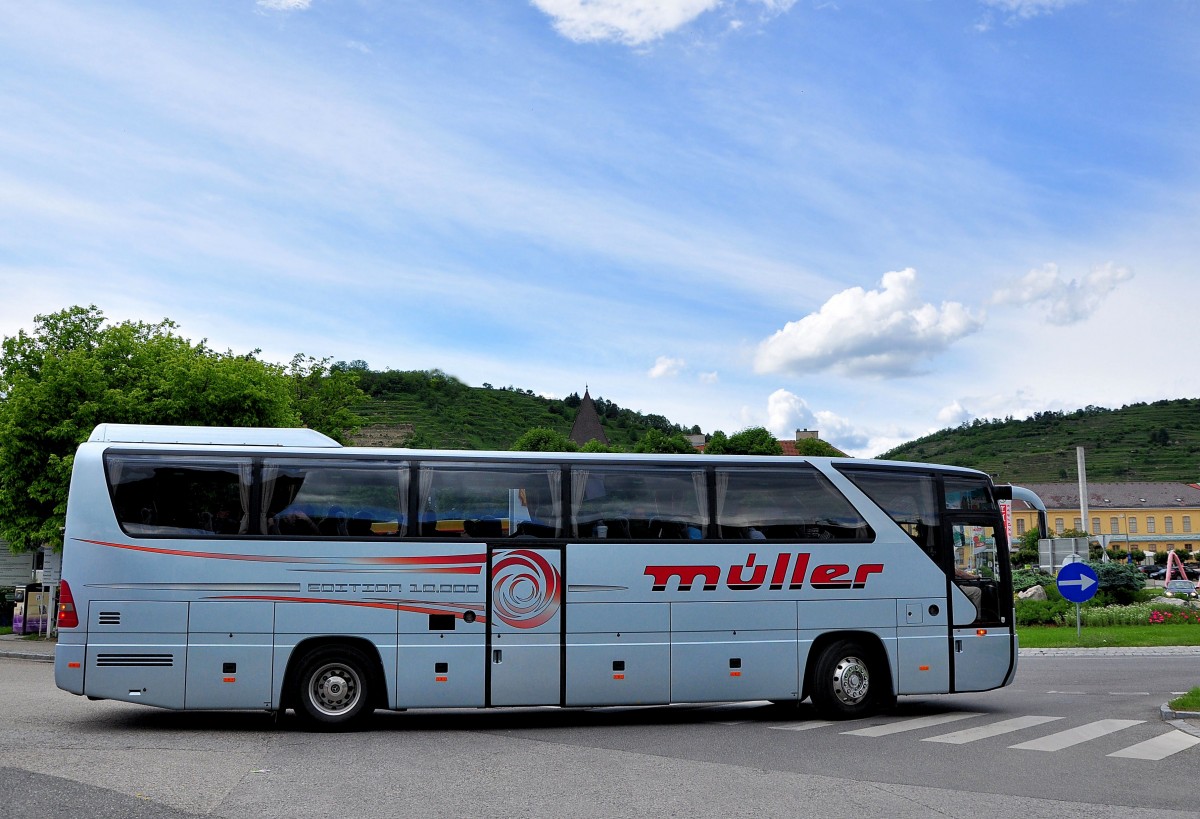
[1119, 582]
[1135, 615]
[1029, 577]
[1050, 612]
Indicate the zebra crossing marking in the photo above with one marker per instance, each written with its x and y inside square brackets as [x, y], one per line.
[804, 726]
[994, 730]
[912, 724]
[1160, 747]
[1074, 736]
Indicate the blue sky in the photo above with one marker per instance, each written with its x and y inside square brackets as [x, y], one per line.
[872, 219]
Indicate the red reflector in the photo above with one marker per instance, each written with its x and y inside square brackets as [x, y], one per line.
[229, 679]
[618, 676]
[67, 617]
[440, 679]
[922, 668]
[735, 673]
[72, 665]
[982, 632]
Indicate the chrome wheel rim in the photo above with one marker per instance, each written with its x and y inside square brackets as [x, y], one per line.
[851, 680]
[334, 689]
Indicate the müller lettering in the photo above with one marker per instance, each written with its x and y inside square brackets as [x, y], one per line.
[752, 575]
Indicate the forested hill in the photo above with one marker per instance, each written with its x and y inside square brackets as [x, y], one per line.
[1140, 442]
[436, 410]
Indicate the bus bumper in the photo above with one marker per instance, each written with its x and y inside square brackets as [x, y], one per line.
[68, 667]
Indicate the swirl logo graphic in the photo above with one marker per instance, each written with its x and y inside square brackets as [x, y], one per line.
[526, 589]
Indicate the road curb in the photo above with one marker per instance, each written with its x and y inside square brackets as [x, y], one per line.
[26, 655]
[1179, 719]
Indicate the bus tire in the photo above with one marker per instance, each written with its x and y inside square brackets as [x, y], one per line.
[333, 689]
[847, 682]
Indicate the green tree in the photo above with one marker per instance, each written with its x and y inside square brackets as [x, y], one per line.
[543, 439]
[817, 447]
[75, 371]
[325, 396]
[657, 441]
[752, 441]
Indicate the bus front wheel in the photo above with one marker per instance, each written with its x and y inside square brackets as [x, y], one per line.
[847, 683]
[334, 689]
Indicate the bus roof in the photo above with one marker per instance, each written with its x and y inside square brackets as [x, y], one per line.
[227, 436]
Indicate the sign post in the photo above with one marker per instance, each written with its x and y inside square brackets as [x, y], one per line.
[1078, 583]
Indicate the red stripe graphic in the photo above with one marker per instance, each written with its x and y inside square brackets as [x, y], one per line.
[370, 604]
[425, 563]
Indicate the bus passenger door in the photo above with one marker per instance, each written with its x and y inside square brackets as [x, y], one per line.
[981, 605]
[525, 595]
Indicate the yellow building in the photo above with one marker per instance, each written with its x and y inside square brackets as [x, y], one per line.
[1153, 517]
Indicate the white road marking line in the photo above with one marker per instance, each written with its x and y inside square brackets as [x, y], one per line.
[911, 724]
[1160, 747]
[803, 726]
[993, 730]
[1075, 736]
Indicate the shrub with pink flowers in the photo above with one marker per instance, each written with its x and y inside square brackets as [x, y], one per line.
[1181, 617]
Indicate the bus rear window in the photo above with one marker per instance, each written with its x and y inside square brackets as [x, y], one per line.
[180, 496]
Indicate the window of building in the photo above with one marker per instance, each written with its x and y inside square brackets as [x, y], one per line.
[1133, 526]
[1020, 526]
[1078, 525]
[1187, 523]
[1169, 524]
[1114, 526]
[1096, 525]
[1058, 525]
[1150, 524]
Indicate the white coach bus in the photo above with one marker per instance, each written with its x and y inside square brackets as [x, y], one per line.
[215, 568]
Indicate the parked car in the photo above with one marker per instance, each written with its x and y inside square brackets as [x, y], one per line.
[1183, 589]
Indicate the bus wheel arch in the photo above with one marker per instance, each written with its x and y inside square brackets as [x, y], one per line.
[848, 675]
[334, 683]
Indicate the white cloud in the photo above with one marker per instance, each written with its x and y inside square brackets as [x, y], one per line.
[1067, 302]
[632, 22]
[788, 412]
[666, 366]
[1025, 9]
[709, 378]
[953, 414]
[886, 332]
[285, 5]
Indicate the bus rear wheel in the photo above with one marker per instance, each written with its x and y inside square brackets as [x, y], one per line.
[333, 689]
[847, 682]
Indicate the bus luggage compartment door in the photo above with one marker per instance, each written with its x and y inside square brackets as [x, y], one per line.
[525, 627]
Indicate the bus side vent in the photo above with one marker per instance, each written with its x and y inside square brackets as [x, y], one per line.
[135, 660]
[109, 618]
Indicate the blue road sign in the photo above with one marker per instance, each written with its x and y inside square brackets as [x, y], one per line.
[1077, 582]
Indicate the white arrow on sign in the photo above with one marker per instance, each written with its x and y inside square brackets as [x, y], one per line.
[1084, 582]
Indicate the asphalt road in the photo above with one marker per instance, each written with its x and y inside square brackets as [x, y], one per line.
[67, 756]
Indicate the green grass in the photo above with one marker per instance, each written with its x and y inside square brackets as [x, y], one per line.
[1108, 636]
[1188, 702]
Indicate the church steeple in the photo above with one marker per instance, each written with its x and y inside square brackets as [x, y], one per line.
[587, 425]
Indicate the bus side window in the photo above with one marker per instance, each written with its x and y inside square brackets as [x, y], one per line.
[793, 504]
[638, 504]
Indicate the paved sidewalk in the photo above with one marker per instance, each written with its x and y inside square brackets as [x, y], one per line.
[27, 648]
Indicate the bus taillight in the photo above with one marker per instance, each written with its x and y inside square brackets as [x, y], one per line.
[67, 616]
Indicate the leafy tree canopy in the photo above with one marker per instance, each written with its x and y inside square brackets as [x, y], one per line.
[752, 441]
[542, 439]
[657, 441]
[77, 370]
